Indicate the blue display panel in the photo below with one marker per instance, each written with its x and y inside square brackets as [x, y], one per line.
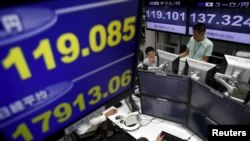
[61, 60]
[225, 20]
[166, 15]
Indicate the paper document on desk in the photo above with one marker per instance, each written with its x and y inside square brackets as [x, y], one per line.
[112, 107]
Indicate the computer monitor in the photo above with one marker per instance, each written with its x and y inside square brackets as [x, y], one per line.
[169, 60]
[209, 106]
[215, 105]
[164, 109]
[199, 70]
[52, 75]
[198, 123]
[239, 68]
[170, 86]
[131, 103]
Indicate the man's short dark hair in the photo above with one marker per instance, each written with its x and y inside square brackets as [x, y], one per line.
[148, 49]
[142, 139]
[200, 27]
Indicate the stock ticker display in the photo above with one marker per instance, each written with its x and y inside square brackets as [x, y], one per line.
[61, 60]
[167, 15]
[225, 20]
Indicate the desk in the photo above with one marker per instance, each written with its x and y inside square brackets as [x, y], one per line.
[154, 128]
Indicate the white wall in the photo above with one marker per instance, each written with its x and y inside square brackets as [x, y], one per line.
[150, 40]
[222, 47]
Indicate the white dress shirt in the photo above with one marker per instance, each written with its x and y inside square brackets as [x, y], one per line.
[152, 64]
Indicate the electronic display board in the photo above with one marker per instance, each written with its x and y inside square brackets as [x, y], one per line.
[166, 15]
[60, 60]
[225, 20]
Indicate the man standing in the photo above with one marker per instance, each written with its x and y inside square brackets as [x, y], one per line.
[199, 46]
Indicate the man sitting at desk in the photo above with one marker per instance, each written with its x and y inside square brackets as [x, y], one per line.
[94, 123]
[151, 59]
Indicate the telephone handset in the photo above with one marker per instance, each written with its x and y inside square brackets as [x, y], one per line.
[132, 119]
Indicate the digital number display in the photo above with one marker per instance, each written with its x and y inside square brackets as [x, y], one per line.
[61, 60]
[166, 15]
[228, 20]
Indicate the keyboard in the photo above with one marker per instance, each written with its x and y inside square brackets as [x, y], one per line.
[169, 137]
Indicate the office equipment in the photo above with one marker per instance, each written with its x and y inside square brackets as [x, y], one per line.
[199, 122]
[169, 137]
[168, 61]
[131, 104]
[151, 127]
[128, 122]
[237, 75]
[164, 95]
[164, 86]
[132, 119]
[199, 70]
[225, 20]
[222, 109]
[167, 16]
[49, 71]
[239, 69]
[164, 109]
[208, 106]
[119, 117]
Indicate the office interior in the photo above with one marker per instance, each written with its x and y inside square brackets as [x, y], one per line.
[176, 44]
[171, 102]
[189, 107]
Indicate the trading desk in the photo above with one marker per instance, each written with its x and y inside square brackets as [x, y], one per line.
[151, 128]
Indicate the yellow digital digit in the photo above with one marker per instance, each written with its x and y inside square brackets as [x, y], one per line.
[80, 101]
[68, 45]
[114, 33]
[44, 50]
[96, 92]
[23, 131]
[63, 112]
[126, 78]
[114, 84]
[129, 28]
[16, 58]
[44, 118]
[94, 45]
